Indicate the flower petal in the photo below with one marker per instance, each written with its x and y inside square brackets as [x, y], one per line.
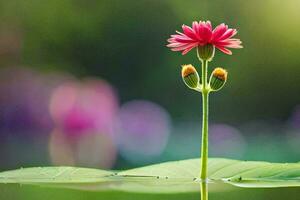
[228, 34]
[219, 31]
[195, 27]
[224, 50]
[189, 32]
[187, 50]
[205, 33]
[208, 25]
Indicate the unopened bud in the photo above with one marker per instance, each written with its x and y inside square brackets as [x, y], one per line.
[218, 79]
[206, 52]
[190, 76]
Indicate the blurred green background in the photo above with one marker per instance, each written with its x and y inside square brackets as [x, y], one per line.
[92, 83]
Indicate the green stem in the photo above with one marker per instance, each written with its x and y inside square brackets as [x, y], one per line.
[204, 143]
[204, 191]
[204, 147]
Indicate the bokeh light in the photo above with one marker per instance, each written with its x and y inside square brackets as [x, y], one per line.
[61, 149]
[79, 107]
[83, 114]
[96, 150]
[23, 101]
[25, 122]
[142, 131]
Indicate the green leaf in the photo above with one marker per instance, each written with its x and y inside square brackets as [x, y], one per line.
[169, 177]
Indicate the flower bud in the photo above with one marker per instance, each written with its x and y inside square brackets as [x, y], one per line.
[190, 76]
[218, 79]
[206, 52]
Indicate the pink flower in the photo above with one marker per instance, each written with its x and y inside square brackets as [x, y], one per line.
[201, 34]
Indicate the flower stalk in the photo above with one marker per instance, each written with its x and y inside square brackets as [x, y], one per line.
[205, 39]
[204, 141]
